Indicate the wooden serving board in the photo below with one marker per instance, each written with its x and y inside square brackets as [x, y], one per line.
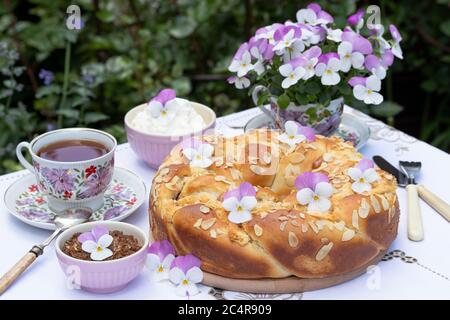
[284, 285]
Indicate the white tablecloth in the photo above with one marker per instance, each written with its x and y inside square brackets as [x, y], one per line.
[415, 270]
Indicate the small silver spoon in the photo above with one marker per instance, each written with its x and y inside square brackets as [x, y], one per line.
[63, 220]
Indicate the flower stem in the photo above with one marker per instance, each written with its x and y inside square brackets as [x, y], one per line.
[65, 83]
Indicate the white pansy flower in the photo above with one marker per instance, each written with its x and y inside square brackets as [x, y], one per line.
[294, 133]
[349, 58]
[292, 74]
[369, 92]
[363, 175]
[329, 71]
[198, 153]
[242, 65]
[314, 190]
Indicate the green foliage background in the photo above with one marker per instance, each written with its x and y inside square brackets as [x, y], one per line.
[129, 50]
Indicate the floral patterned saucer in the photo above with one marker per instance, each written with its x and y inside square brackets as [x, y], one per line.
[126, 193]
[351, 128]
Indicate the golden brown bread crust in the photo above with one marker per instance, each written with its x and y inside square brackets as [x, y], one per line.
[282, 239]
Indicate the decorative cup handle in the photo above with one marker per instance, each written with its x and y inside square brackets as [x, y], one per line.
[20, 156]
[255, 94]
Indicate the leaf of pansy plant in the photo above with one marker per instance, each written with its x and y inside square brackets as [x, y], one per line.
[387, 109]
[183, 27]
[312, 88]
[283, 101]
[301, 99]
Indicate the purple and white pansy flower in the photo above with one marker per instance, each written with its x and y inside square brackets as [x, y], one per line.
[328, 68]
[198, 152]
[314, 15]
[159, 259]
[239, 82]
[242, 61]
[185, 273]
[96, 242]
[359, 43]
[366, 89]
[288, 40]
[314, 190]
[378, 66]
[396, 39]
[262, 51]
[240, 202]
[162, 107]
[312, 55]
[363, 175]
[293, 71]
[268, 33]
[295, 133]
[349, 58]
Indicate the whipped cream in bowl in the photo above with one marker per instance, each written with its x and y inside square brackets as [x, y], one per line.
[180, 120]
[154, 128]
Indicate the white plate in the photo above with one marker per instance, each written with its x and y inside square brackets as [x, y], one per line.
[124, 196]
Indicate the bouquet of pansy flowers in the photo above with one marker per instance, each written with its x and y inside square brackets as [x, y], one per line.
[312, 64]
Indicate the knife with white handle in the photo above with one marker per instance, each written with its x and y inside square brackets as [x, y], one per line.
[442, 207]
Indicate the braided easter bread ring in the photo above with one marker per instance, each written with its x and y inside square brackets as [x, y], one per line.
[282, 238]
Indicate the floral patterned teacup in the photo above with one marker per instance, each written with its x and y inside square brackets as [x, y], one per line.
[71, 184]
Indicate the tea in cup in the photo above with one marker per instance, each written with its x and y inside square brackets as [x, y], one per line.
[73, 167]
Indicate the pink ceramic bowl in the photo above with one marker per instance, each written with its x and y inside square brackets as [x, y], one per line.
[153, 148]
[102, 276]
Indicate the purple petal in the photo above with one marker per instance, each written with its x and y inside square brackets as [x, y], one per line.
[185, 263]
[319, 30]
[359, 43]
[310, 180]
[268, 52]
[281, 32]
[298, 62]
[98, 232]
[365, 164]
[325, 16]
[312, 52]
[357, 80]
[307, 132]
[161, 249]
[165, 95]
[231, 79]
[394, 33]
[387, 58]
[234, 193]
[314, 7]
[372, 62]
[246, 189]
[324, 58]
[362, 45]
[243, 48]
[85, 237]
[356, 17]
